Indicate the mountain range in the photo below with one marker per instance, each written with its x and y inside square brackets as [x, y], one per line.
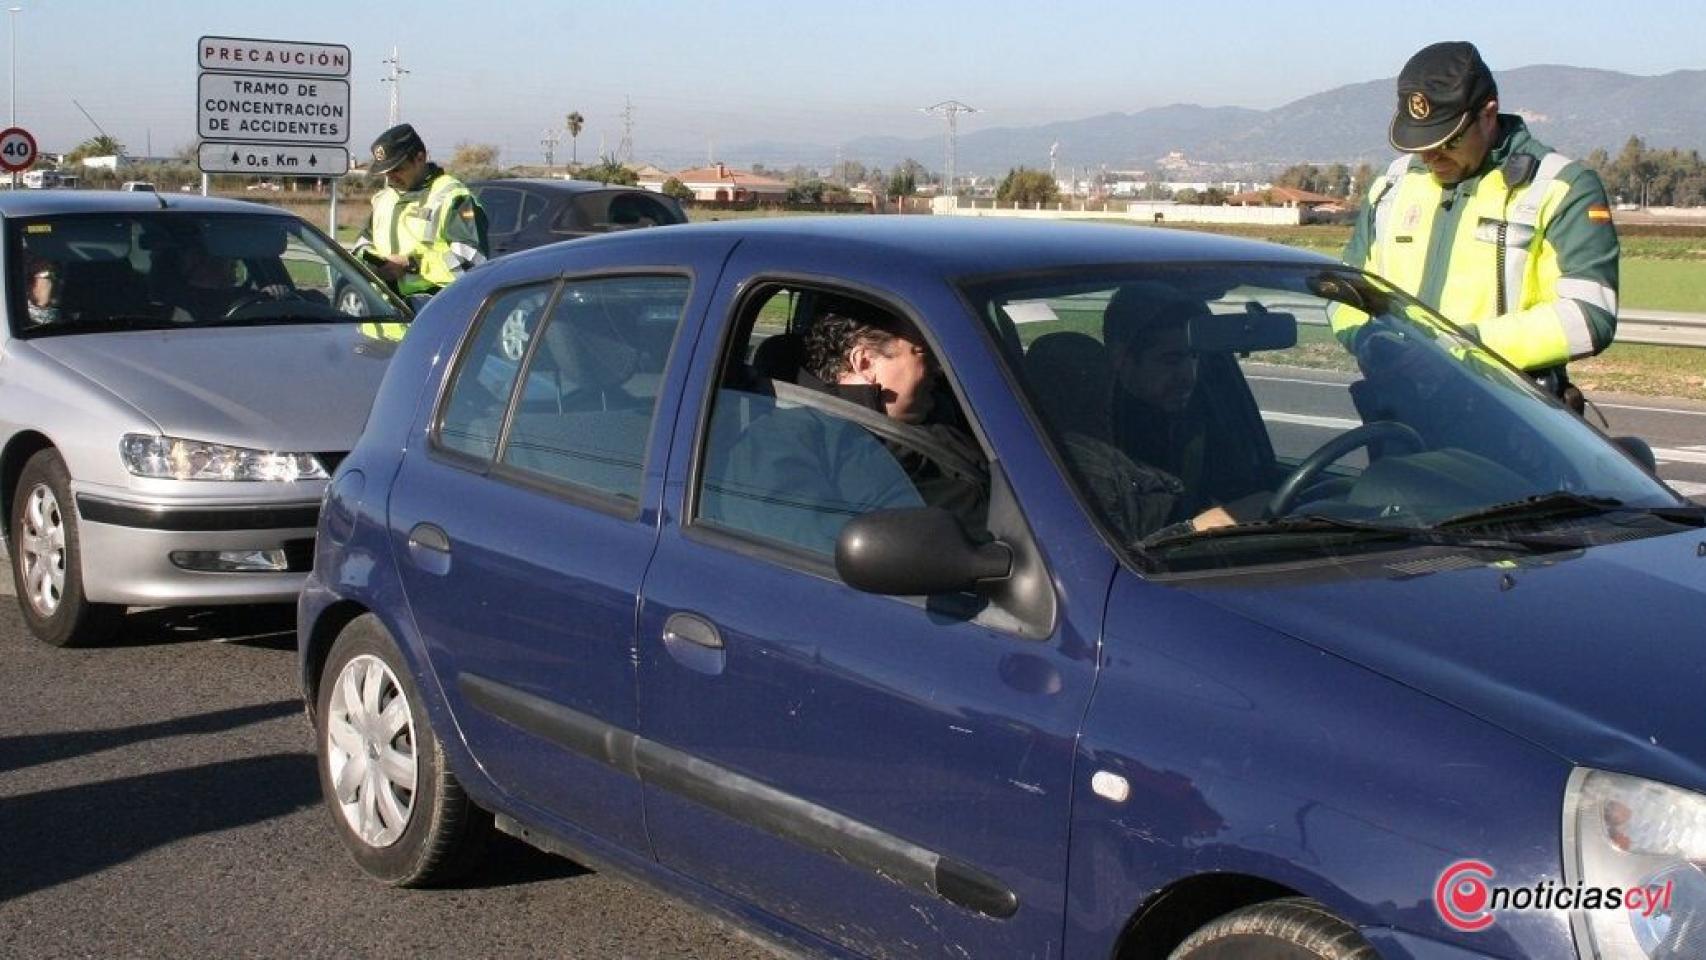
[1573, 109]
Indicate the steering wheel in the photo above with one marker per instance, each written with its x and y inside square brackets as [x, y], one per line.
[1286, 496]
[244, 302]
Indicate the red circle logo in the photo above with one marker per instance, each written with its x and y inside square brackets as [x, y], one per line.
[1462, 894]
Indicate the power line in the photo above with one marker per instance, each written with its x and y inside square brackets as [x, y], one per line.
[951, 110]
[549, 141]
[395, 79]
[625, 151]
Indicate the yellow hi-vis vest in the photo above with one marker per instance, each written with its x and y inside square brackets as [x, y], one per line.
[1542, 323]
[406, 225]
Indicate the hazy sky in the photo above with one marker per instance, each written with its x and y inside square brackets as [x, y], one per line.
[502, 71]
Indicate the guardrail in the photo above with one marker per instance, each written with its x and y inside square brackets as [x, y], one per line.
[1659, 328]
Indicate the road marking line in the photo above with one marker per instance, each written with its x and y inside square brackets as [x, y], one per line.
[1631, 406]
[1684, 455]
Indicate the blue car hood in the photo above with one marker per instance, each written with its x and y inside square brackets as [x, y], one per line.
[1598, 656]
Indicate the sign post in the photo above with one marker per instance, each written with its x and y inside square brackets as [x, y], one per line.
[273, 108]
[17, 151]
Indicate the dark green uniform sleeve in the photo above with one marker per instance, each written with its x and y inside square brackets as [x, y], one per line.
[465, 231]
[1582, 234]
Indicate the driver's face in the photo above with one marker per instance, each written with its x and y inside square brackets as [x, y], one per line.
[1163, 373]
[905, 373]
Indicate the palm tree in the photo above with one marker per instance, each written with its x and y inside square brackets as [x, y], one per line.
[574, 122]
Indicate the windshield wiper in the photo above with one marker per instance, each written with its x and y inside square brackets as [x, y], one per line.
[1318, 523]
[1542, 506]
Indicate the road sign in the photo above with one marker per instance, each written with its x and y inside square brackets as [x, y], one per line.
[266, 109]
[278, 160]
[240, 55]
[17, 149]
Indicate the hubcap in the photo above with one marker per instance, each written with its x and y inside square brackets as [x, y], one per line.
[370, 751]
[41, 550]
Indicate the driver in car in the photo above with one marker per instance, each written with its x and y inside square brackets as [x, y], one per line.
[209, 288]
[1155, 421]
[44, 288]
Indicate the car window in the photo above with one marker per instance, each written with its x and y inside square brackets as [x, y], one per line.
[171, 269]
[1297, 393]
[609, 210]
[473, 410]
[592, 384]
[790, 457]
[503, 208]
[532, 205]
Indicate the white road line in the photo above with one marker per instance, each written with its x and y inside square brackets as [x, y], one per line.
[1684, 455]
[1631, 406]
[1303, 419]
[1688, 489]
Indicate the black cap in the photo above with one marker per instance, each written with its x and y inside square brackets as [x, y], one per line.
[393, 147]
[1439, 91]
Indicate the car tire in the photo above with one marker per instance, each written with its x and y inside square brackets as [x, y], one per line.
[1291, 929]
[407, 820]
[47, 560]
[347, 300]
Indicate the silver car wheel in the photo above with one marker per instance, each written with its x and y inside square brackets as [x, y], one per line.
[370, 751]
[41, 551]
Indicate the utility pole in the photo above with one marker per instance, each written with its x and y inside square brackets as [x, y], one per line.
[950, 110]
[626, 150]
[549, 141]
[395, 79]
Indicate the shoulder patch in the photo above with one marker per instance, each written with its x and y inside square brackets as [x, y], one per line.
[467, 211]
[1599, 213]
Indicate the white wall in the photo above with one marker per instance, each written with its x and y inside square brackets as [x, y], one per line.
[1136, 212]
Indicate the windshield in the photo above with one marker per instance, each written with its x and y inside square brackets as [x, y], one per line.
[92, 273]
[1222, 415]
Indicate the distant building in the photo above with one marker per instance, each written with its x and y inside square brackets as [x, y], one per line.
[1287, 197]
[121, 161]
[724, 183]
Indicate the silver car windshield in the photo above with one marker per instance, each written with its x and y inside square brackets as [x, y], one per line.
[91, 273]
[1225, 414]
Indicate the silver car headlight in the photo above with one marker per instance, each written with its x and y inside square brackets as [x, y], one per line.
[174, 458]
[1644, 844]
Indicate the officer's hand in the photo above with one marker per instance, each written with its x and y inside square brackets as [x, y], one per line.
[391, 269]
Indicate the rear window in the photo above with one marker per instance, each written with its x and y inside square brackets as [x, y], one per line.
[607, 211]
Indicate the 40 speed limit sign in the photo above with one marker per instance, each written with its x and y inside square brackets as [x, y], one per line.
[17, 149]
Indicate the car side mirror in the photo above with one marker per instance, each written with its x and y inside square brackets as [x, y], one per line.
[916, 551]
[1641, 450]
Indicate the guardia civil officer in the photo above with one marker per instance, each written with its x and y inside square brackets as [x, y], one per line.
[426, 229]
[1486, 224]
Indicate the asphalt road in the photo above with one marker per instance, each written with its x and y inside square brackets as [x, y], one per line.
[159, 799]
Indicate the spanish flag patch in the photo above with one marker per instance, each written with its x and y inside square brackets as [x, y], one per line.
[1599, 213]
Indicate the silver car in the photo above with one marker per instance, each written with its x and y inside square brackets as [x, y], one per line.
[178, 379]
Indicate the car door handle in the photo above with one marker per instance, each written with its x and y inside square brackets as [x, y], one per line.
[688, 628]
[429, 548]
[694, 643]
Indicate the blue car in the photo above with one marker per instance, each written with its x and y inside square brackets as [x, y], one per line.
[915, 587]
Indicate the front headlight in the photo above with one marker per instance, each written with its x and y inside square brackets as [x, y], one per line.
[1625, 833]
[174, 458]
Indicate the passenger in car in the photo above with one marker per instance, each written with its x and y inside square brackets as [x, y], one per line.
[43, 283]
[804, 471]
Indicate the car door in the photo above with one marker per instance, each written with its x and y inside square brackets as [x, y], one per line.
[889, 774]
[523, 525]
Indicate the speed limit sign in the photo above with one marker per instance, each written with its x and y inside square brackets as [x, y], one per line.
[17, 149]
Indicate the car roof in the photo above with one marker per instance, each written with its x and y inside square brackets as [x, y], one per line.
[969, 246]
[556, 186]
[21, 203]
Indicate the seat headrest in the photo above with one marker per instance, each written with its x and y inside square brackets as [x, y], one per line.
[1071, 375]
